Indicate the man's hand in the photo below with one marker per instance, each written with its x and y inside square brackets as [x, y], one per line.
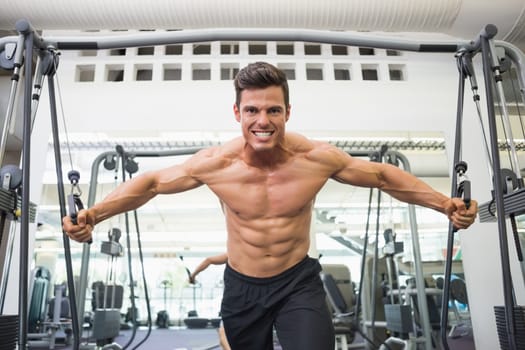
[81, 231]
[459, 215]
[191, 279]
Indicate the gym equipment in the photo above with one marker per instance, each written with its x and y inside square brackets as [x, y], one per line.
[215, 322]
[39, 299]
[28, 39]
[57, 324]
[458, 294]
[460, 188]
[163, 318]
[108, 296]
[9, 331]
[193, 320]
[341, 300]
[371, 265]
[10, 182]
[397, 306]
[508, 189]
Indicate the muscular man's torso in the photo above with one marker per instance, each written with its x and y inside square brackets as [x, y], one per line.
[267, 209]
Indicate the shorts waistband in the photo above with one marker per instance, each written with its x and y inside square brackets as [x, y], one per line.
[267, 280]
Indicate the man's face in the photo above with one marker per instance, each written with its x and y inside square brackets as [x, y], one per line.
[263, 115]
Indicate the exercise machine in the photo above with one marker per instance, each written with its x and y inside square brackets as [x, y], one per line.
[29, 39]
[55, 323]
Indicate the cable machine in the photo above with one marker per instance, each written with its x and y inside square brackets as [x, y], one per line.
[110, 325]
[23, 46]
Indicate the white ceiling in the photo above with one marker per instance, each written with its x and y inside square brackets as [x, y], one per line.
[459, 18]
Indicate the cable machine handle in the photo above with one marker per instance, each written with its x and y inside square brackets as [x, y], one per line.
[74, 202]
[463, 188]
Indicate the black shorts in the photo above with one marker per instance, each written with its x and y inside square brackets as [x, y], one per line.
[293, 302]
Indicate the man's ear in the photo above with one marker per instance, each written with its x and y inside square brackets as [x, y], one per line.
[288, 112]
[236, 112]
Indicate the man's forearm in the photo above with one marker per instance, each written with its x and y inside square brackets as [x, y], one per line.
[408, 188]
[128, 196]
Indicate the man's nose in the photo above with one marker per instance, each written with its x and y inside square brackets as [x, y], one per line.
[263, 119]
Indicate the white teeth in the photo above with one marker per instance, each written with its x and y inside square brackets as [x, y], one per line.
[259, 133]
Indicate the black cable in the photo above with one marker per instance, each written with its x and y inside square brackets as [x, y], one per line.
[373, 157]
[62, 202]
[451, 229]
[361, 278]
[506, 137]
[146, 294]
[376, 259]
[363, 258]
[130, 267]
[520, 117]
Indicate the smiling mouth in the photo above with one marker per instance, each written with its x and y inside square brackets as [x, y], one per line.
[262, 133]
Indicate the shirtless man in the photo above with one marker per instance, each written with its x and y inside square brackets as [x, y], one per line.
[267, 181]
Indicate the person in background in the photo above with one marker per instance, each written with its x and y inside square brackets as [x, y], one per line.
[213, 260]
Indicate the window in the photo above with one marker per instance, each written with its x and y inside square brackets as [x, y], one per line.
[115, 73]
[396, 72]
[288, 69]
[229, 71]
[172, 72]
[201, 49]
[201, 72]
[229, 49]
[143, 73]
[146, 51]
[339, 50]
[342, 72]
[117, 52]
[285, 48]
[312, 49]
[369, 72]
[257, 48]
[314, 72]
[366, 51]
[173, 50]
[85, 73]
[393, 53]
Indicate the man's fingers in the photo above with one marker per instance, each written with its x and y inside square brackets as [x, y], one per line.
[83, 235]
[82, 217]
[81, 232]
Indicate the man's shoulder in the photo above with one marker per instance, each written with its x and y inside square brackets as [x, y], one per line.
[318, 151]
[302, 143]
[215, 157]
[229, 147]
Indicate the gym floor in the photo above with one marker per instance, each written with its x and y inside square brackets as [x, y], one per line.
[180, 338]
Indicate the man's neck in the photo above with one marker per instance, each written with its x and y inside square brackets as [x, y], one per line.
[265, 159]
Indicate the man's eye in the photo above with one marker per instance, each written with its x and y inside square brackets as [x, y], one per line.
[274, 111]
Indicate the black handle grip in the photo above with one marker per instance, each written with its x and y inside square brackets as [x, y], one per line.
[75, 204]
[464, 191]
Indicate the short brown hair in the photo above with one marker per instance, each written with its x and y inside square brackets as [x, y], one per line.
[260, 75]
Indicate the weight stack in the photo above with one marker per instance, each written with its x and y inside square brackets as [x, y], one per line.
[519, 323]
[8, 331]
